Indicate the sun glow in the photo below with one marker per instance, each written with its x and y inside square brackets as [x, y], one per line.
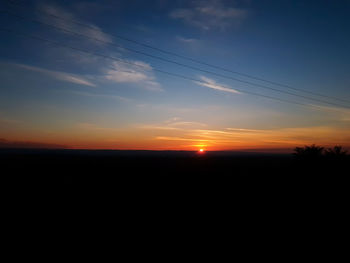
[201, 150]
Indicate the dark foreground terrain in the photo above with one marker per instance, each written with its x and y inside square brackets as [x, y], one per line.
[181, 194]
[162, 171]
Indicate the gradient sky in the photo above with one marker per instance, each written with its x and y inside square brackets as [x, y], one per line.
[52, 96]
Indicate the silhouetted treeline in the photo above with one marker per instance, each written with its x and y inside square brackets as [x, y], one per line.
[145, 185]
[314, 152]
[166, 170]
[319, 162]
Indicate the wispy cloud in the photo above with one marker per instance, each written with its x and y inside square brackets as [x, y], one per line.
[246, 138]
[186, 40]
[137, 72]
[66, 22]
[210, 15]
[186, 124]
[157, 127]
[244, 130]
[210, 83]
[180, 139]
[174, 123]
[196, 134]
[140, 73]
[67, 77]
[95, 95]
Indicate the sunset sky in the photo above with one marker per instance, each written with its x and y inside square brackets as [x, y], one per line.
[57, 96]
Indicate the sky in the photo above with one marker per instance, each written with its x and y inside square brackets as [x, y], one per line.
[82, 75]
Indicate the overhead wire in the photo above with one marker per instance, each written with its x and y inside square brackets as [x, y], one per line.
[171, 61]
[39, 10]
[155, 69]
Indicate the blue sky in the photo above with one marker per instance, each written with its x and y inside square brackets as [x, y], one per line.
[56, 95]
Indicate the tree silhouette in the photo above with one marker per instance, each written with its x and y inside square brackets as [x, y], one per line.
[336, 151]
[311, 152]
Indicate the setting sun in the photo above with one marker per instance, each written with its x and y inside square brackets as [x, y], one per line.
[77, 94]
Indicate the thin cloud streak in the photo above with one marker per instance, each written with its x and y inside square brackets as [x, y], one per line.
[210, 83]
[240, 138]
[94, 95]
[278, 138]
[186, 40]
[63, 76]
[173, 124]
[180, 139]
[187, 124]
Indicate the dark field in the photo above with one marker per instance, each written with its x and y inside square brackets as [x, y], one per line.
[175, 190]
[169, 170]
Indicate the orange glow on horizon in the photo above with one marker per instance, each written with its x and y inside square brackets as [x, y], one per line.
[176, 139]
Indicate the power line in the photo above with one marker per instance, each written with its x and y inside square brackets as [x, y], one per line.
[186, 57]
[141, 66]
[171, 61]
